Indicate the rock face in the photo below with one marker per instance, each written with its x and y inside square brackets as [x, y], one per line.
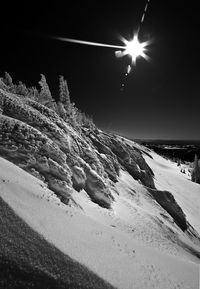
[167, 201]
[122, 154]
[35, 138]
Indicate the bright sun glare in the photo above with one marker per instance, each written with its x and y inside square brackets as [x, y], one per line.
[134, 48]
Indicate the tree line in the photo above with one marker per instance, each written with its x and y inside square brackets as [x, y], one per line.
[194, 169]
[62, 105]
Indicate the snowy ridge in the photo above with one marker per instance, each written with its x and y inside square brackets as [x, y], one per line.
[116, 207]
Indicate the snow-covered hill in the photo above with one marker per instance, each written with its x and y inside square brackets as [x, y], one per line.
[105, 202]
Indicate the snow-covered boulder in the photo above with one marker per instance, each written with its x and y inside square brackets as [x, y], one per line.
[97, 190]
[78, 178]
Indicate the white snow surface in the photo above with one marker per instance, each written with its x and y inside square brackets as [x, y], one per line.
[133, 245]
[187, 193]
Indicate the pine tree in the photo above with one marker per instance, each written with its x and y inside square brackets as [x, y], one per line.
[21, 89]
[79, 118]
[64, 96]
[8, 80]
[196, 171]
[45, 96]
[3, 85]
[33, 93]
[61, 110]
[9, 83]
[87, 122]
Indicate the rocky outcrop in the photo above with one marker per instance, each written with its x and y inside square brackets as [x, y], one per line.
[111, 165]
[122, 154]
[167, 201]
[78, 178]
[97, 190]
[35, 138]
[38, 140]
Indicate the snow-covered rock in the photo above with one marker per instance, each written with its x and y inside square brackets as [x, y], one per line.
[38, 140]
[35, 138]
[116, 207]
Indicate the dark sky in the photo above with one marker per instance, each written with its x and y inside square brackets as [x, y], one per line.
[161, 98]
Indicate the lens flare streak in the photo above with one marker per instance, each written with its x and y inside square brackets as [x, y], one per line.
[133, 48]
[90, 43]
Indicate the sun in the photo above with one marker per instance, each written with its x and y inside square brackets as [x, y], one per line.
[134, 48]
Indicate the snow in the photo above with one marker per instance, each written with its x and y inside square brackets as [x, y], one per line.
[187, 194]
[127, 246]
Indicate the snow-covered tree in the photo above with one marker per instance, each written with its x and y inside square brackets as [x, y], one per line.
[60, 110]
[33, 93]
[9, 83]
[64, 96]
[8, 80]
[79, 118]
[45, 96]
[196, 171]
[3, 85]
[63, 90]
[65, 108]
[72, 115]
[21, 89]
[87, 121]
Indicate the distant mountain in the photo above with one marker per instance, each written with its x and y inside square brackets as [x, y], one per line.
[174, 149]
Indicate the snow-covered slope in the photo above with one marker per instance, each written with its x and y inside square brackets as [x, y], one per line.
[187, 194]
[27, 260]
[114, 206]
[126, 246]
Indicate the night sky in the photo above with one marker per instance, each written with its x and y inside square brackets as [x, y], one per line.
[161, 98]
